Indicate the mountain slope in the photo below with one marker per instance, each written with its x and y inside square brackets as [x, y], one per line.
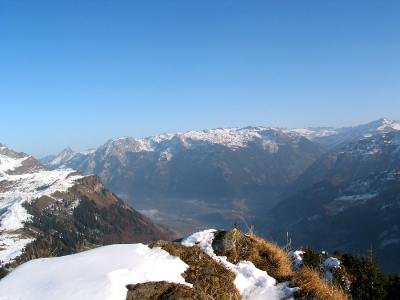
[50, 213]
[348, 199]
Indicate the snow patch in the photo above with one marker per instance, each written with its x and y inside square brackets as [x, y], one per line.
[329, 264]
[297, 257]
[101, 273]
[11, 246]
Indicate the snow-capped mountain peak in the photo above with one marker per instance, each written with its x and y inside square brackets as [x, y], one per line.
[388, 124]
[63, 156]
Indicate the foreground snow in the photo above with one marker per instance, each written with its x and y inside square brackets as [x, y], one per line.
[251, 282]
[100, 273]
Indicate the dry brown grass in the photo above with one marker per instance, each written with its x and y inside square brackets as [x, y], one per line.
[269, 257]
[266, 256]
[313, 287]
[207, 276]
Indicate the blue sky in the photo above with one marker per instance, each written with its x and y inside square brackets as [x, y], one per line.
[76, 73]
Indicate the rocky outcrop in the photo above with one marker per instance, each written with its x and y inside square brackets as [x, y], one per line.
[207, 276]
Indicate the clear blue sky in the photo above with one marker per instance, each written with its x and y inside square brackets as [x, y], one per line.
[76, 73]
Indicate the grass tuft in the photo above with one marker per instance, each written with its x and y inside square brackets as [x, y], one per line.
[269, 257]
[314, 287]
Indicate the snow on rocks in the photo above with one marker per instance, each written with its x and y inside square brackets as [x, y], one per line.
[251, 282]
[329, 265]
[297, 257]
[101, 273]
[331, 262]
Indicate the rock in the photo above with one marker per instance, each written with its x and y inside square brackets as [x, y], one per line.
[162, 290]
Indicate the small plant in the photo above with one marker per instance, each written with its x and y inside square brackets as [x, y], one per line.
[251, 231]
[288, 246]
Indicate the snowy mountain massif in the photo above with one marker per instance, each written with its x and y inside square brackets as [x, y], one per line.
[217, 174]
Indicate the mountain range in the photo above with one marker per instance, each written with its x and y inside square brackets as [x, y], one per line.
[302, 181]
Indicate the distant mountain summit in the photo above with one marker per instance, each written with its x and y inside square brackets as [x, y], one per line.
[57, 160]
[53, 212]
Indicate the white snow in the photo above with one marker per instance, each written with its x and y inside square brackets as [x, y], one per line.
[329, 264]
[88, 152]
[312, 133]
[11, 246]
[297, 257]
[101, 273]
[388, 124]
[9, 164]
[18, 190]
[251, 282]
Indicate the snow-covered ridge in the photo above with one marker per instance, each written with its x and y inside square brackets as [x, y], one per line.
[15, 190]
[312, 133]
[269, 138]
[229, 137]
[168, 143]
[233, 137]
